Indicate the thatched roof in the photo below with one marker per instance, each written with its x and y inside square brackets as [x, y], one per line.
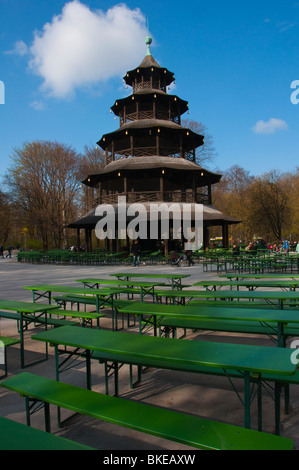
[149, 66]
[172, 129]
[152, 163]
[178, 104]
[149, 61]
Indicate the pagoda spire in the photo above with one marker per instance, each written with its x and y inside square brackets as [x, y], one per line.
[148, 41]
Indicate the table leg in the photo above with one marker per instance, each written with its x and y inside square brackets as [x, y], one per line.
[22, 340]
[247, 398]
[57, 378]
[47, 417]
[88, 370]
[277, 408]
[140, 323]
[280, 336]
[260, 423]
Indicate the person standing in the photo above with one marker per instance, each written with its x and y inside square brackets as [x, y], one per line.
[9, 250]
[285, 246]
[1, 251]
[136, 251]
[188, 254]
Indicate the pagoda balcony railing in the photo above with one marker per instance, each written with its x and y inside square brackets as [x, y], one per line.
[142, 115]
[154, 196]
[149, 152]
[148, 86]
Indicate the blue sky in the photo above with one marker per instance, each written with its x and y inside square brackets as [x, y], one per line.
[62, 65]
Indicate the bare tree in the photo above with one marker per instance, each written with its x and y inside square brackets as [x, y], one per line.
[270, 203]
[92, 162]
[6, 216]
[207, 152]
[44, 182]
[231, 196]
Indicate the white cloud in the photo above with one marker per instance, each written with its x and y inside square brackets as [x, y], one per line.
[19, 49]
[270, 127]
[285, 26]
[81, 47]
[38, 105]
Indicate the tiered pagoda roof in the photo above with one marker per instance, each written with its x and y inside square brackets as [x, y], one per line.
[151, 156]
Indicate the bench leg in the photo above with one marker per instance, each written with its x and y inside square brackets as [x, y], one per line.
[30, 403]
[139, 375]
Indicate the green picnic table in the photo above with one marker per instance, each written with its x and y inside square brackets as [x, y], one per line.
[237, 277]
[251, 285]
[274, 320]
[24, 313]
[175, 279]
[18, 436]
[268, 296]
[145, 287]
[171, 354]
[102, 296]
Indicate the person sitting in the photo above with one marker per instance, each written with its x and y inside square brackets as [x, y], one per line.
[236, 250]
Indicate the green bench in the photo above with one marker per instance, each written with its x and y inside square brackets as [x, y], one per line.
[62, 300]
[18, 436]
[29, 319]
[82, 299]
[6, 342]
[186, 429]
[85, 317]
[230, 326]
[240, 303]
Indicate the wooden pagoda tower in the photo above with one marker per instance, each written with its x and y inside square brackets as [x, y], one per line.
[151, 156]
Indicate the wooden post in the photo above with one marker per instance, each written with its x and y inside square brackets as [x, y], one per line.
[132, 145]
[209, 194]
[158, 144]
[193, 189]
[225, 235]
[165, 247]
[78, 239]
[181, 146]
[161, 188]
